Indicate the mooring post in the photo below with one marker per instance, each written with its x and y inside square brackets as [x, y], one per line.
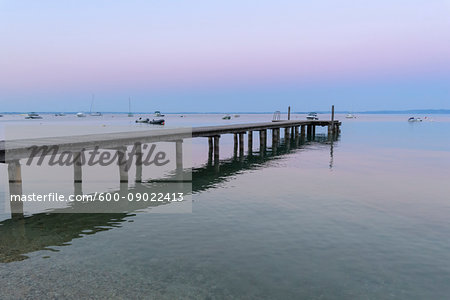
[122, 162]
[138, 153]
[15, 189]
[332, 119]
[250, 142]
[77, 163]
[241, 144]
[216, 149]
[289, 112]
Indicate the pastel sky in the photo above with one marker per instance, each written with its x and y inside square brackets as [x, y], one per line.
[234, 55]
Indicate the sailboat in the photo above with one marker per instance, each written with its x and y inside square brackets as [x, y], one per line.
[129, 107]
[95, 114]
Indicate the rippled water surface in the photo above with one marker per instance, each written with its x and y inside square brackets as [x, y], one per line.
[363, 217]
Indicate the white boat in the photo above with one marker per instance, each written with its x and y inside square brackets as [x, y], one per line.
[158, 114]
[350, 116]
[312, 116]
[414, 119]
[33, 115]
[81, 115]
[60, 114]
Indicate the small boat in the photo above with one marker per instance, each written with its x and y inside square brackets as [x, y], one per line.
[96, 114]
[414, 119]
[81, 115]
[350, 116]
[141, 120]
[1, 116]
[158, 114]
[157, 122]
[312, 116]
[236, 116]
[60, 114]
[227, 117]
[33, 115]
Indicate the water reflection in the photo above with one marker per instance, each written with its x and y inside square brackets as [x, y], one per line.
[43, 231]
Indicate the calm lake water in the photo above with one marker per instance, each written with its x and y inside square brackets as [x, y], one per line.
[364, 217]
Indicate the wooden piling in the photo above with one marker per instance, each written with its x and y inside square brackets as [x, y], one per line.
[15, 189]
[289, 112]
[77, 164]
[216, 149]
[123, 171]
[303, 131]
[250, 142]
[210, 147]
[179, 155]
[262, 140]
[138, 154]
[241, 144]
[235, 144]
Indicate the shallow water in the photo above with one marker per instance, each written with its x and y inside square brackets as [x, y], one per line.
[365, 217]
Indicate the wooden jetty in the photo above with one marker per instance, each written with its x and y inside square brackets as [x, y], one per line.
[11, 152]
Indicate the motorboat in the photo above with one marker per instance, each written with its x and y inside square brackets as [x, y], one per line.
[33, 115]
[350, 116]
[157, 122]
[142, 120]
[158, 114]
[81, 115]
[60, 114]
[312, 116]
[414, 119]
[227, 117]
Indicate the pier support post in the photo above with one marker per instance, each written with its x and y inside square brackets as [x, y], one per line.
[241, 144]
[179, 155]
[309, 131]
[262, 140]
[313, 132]
[216, 149]
[122, 162]
[235, 144]
[77, 163]
[15, 188]
[287, 134]
[295, 132]
[138, 149]
[250, 142]
[303, 131]
[274, 141]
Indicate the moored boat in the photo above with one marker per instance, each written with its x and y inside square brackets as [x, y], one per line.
[312, 116]
[226, 117]
[33, 115]
[81, 115]
[414, 119]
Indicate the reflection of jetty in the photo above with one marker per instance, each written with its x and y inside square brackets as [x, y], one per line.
[19, 236]
[12, 151]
